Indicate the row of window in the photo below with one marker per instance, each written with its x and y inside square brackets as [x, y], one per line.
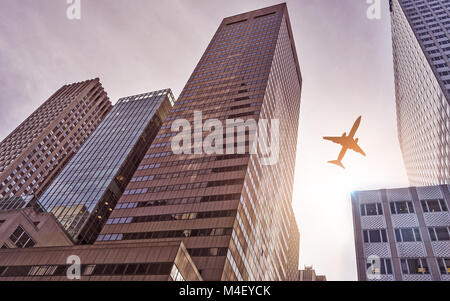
[406, 235]
[223, 81]
[189, 173]
[414, 266]
[203, 159]
[180, 201]
[166, 234]
[404, 207]
[207, 113]
[187, 134]
[171, 217]
[374, 236]
[411, 266]
[189, 186]
[159, 268]
[208, 252]
[230, 88]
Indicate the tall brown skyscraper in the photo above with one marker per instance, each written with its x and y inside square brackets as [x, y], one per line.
[35, 152]
[232, 211]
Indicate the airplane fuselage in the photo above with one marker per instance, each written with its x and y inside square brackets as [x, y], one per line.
[347, 142]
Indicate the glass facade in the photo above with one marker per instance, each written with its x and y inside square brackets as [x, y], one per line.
[421, 47]
[232, 212]
[15, 203]
[86, 191]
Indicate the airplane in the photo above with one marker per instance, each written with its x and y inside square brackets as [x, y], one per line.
[347, 142]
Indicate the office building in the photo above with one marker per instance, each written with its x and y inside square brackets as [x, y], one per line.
[231, 210]
[16, 202]
[421, 51]
[83, 195]
[402, 234]
[309, 274]
[31, 227]
[119, 262]
[36, 151]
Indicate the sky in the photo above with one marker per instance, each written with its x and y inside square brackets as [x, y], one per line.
[144, 45]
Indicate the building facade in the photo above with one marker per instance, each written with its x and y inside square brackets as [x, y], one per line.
[231, 210]
[36, 151]
[16, 203]
[117, 262]
[402, 234]
[29, 228]
[83, 195]
[309, 274]
[421, 50]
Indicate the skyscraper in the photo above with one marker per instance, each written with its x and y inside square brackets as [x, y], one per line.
[232, 211]
[421, 46]
[309, 274]
[402, 234]
[35, 152]
[86, 191]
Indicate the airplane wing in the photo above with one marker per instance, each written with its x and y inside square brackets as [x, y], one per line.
[355, 147]
[355, 127]
[337, 140]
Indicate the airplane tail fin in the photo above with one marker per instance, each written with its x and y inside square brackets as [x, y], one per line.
[338, 163]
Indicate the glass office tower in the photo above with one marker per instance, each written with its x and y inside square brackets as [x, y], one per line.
[421, 46]
[36, 151]
[232, 211]
[86, 191]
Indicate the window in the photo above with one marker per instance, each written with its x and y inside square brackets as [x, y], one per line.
[414, 266]
[21, 239]
[439, 234]
[385, 267]
[434, 206]
[374, 236]
[203, 252]
[444, 265]
[407, 235]
[2, 222]
[88, 270]
[404, 207]
[4, 247]
[371, 209]
[175, 274]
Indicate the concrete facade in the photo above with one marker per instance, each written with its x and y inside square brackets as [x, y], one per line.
[115, 262]
[402, 234]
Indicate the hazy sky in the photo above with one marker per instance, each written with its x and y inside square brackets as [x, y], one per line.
[144, 45]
